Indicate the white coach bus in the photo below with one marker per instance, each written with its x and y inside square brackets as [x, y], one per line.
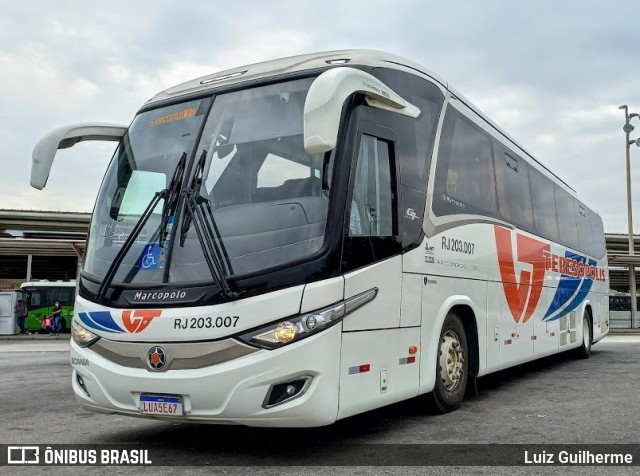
[296, 241]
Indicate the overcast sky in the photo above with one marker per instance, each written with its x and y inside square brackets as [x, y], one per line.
[551, 73]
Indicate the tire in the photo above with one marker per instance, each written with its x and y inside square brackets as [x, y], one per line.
[584, 351]
[452, 366]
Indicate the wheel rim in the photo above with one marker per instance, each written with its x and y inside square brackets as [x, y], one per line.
[451, 360]
[586, 333]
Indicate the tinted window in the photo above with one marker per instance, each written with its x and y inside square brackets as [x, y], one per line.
[47, 296]
[372, 202]
[583, 222]
[416, 136]
[62, 295]
[598, 245]
[566, 218]
[514, 197]
[619, 303]
[276, 170]
[464, 174]
[544, 207]
[622, 303]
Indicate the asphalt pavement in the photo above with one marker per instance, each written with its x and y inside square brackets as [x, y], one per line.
[557, 400]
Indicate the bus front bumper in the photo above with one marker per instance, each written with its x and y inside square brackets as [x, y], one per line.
[237, 391]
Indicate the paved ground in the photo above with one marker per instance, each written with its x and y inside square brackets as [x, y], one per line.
[557, 400]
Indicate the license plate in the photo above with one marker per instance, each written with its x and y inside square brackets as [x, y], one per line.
[161, 405]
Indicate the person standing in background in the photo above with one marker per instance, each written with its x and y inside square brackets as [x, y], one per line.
[21, 314]
[57, 318]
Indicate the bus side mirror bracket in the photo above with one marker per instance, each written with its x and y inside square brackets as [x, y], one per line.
[326, 96]
[64, 137]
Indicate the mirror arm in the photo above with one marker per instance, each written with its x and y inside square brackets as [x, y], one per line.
[64, 137]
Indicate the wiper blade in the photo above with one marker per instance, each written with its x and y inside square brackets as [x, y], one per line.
[215, 253]
[207, 230]
[171, 201]
[126, 246]
[194, 187]
[170, 195]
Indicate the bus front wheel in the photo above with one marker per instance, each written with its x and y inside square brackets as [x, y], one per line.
[452, 366]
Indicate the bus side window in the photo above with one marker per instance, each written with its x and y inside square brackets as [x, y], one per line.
[371, 211]
[514, 196]
[598, 246]
[583, 222]
[567, 218]
[544, 207]
[464, 182]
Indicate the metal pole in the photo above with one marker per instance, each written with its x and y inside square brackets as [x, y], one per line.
[29, 263]
[632, 269]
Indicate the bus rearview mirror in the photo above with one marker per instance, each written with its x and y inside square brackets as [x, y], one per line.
[64, 137]
[326, 96]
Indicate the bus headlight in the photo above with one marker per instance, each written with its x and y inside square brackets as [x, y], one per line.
[296, 328]
[82, 336]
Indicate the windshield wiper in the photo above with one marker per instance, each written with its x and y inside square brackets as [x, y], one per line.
[213, 249]
[215, 253]
[195, 186]
[170, 195]
[171, 202]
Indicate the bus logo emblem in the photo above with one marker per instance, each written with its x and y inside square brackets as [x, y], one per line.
[138, 320]
[156, 358]
[526, 290]
[411, 214]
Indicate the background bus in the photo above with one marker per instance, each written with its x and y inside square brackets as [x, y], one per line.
[620, 310]
[39, 296]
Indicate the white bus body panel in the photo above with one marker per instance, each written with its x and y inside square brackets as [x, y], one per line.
[601, 322]
[461, 267]
[322, 293]
[388, 375]
[411, 305]
[384, 311]
[376, 367]
[232, 391]
[229, 392]
[188, 323]
[439, 296]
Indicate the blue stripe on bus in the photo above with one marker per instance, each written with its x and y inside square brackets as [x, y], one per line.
[100, 320]
[569, 286]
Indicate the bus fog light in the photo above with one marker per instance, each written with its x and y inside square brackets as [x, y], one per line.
[286, 391]
[80, 382]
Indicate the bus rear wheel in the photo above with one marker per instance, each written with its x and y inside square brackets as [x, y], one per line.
[452, 366]
[584, 351]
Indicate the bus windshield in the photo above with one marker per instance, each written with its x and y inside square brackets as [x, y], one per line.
[264, 199]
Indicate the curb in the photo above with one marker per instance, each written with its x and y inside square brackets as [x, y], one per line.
[34, 337]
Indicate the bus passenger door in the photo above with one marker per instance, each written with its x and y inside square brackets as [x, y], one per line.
[372, 370]
[372, 249]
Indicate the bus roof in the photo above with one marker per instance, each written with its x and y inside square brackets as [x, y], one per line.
[290, 64]
[314, 61]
